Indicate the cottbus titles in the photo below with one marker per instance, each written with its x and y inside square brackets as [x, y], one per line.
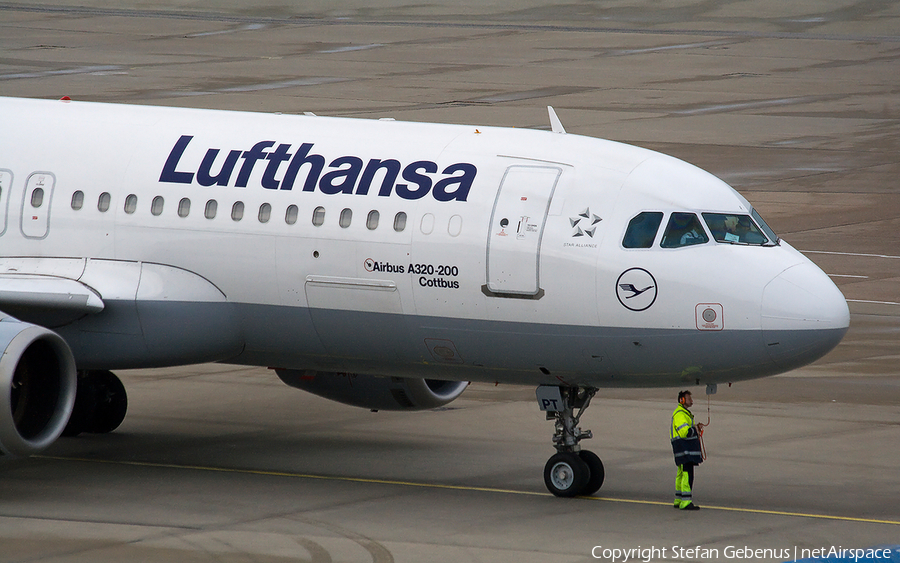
[421, 270]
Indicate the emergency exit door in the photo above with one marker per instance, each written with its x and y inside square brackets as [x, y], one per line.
[6, 178]
[517, 226]
[36, 204]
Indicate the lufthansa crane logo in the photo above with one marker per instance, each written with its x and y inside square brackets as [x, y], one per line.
[636, 289]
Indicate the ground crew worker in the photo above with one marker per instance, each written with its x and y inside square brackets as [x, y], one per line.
[686, 447]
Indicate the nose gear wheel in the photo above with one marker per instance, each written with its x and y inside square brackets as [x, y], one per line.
[572, 471]
[566, 474]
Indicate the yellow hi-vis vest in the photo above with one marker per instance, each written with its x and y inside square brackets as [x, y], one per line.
[685, 440]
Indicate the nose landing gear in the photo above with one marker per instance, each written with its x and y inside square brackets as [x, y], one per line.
[571, 471]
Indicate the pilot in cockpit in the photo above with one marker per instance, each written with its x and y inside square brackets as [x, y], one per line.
[684, 229]
[732, 224]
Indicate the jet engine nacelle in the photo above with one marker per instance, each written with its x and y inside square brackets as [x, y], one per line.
[374, 392]
[37, 387]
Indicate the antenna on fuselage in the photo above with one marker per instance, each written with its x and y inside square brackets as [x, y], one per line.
[555, 124]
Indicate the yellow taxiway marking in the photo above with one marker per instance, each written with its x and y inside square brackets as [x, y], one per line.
[269, 473]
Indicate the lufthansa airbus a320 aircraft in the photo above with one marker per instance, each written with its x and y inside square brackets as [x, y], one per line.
[377, 263]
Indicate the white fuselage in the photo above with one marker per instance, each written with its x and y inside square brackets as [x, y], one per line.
[406, 249]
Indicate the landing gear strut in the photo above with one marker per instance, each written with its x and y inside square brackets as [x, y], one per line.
[571, 471]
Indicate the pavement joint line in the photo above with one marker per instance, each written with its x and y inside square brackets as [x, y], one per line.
[850, 254]
[270, 473]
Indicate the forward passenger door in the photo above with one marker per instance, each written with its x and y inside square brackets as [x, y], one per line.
[517, 228]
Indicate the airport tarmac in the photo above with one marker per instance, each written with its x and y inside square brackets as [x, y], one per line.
[794, 105]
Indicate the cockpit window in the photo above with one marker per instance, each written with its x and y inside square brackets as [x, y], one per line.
[773, 238]
[684, 229]
[734, 229]
[642, 230]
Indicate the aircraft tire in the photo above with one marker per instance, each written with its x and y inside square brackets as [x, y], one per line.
[566, 474]
[111, 402]
[595, 481]
[100, 404]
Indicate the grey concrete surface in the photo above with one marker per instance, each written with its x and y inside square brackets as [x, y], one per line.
[795, 104]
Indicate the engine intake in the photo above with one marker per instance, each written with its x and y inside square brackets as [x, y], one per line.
[37, 387]
[375, 392]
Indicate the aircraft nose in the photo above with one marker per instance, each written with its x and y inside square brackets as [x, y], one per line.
[804, 315]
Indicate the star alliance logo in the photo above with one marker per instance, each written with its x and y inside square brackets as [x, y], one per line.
[581, 220]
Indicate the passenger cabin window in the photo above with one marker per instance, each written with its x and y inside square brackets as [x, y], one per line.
[184, 207]
[103, 202]
[400, 221]
[130, 204]
[212, 206]
[265, 213]
[318, 217]
[427, 224]
[290, 214]
[346, 217]
[734, 229]
[454, 227]
[237, 211]
[684, 229]
[372, 220]
[156, 206]
[77, 200]
[642, 230]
